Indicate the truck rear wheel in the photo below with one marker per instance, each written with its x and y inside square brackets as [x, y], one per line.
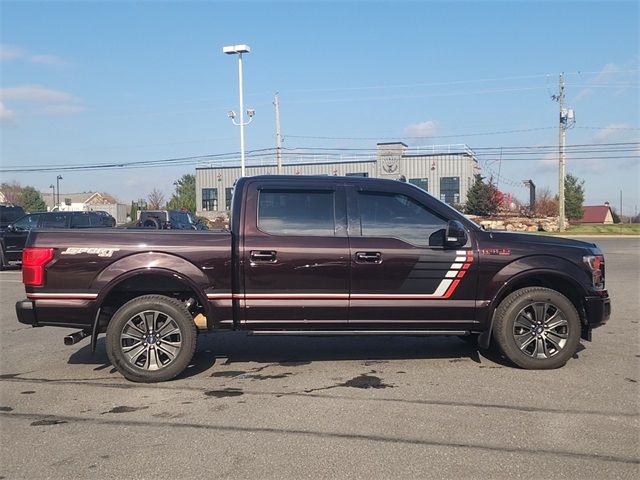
[151, 339]
[537, 328]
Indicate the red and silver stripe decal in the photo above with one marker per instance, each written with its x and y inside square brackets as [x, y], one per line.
[444, 290]
[62, 296]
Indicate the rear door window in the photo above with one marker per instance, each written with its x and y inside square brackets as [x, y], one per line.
[80, 220]
[290, 212]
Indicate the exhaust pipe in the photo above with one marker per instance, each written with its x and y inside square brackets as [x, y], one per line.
[76, 337]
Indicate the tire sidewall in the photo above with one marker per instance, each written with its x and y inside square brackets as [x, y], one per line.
[506, 316]
[176, 310]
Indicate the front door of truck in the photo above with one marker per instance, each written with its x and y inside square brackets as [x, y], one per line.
[295, 257]
[402, 275]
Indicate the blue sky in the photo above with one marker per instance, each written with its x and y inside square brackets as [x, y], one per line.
[119, 82]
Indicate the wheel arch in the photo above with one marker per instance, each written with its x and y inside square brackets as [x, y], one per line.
[116, 290]
[555, 279]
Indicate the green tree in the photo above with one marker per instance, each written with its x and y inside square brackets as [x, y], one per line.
[573, 197]
[134, 210]
[185, 194]
[483, 199]
[32, 200]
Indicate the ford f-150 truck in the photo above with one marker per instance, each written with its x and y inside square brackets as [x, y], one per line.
[316, 256]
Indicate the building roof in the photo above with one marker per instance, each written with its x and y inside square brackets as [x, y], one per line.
[88, 198]
[594, 213]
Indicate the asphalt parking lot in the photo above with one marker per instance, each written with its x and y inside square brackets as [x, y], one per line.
[365, 407]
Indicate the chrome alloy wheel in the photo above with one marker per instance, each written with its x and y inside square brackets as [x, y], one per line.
[541, 330]
[150, 340]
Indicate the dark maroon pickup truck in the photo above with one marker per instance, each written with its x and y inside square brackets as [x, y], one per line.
[316, 256]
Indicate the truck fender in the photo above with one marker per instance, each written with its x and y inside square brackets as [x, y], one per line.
[527, 268]
[157, 263]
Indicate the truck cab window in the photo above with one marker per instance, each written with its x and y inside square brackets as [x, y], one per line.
[395, 215]
[283, 212]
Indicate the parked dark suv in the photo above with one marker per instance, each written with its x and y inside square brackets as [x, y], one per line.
[9, 214]
[169, 220]
[14, 236]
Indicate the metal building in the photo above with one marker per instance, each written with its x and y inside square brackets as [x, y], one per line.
[445, 171]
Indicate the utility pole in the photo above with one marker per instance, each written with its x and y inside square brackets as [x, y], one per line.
[278, 134]
[561, 225]
[567, 120]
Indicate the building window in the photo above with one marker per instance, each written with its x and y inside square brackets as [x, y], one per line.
[422, 183]
[228, 195]
[393, 215]
[210, 199]
[450, 190]
[283, 212]
[358, 174]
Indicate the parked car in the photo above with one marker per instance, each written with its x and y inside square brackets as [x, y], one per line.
[316, 256]
[14, 236]
[9, 214]
[169, 220]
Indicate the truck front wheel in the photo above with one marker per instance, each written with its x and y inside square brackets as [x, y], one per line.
[537, 328]
[151, 339]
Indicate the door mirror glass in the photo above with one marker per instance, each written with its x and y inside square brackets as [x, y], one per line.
[456, 235]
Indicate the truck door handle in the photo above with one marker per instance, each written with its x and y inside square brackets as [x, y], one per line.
[368, 257]
[262, 256]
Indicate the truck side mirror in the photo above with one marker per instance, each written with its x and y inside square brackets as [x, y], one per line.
[455, 235]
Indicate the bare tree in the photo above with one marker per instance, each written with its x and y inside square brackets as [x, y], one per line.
[12, 192]
[156, 199]
[546, 203]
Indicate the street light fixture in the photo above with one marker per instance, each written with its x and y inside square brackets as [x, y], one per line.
[239, 50]
[58, 178]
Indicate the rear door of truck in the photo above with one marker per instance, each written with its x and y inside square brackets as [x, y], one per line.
[295, 256]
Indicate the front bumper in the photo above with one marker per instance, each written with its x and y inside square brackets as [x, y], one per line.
[26, 312]
[598, 310]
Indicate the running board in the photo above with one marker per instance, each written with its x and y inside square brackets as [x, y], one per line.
[323, 333]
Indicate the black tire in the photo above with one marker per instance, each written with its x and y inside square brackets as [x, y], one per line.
[537, 328]
[151, 339]
[151, 223]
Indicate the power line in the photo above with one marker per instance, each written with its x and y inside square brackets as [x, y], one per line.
[608, 151]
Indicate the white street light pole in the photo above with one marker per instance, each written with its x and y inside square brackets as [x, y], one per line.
[239, 50]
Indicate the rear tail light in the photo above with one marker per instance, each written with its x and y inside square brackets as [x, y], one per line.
[596, 265]
[33, 262]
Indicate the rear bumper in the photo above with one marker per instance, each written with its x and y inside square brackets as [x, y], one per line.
[26, 312]
[70, 313]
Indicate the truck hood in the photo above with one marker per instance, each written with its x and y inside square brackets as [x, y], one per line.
[510, 237]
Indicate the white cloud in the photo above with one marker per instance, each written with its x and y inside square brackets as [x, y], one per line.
[611, 131]
[47, 60]
[421, 129]
[62, 109]
[548, 163]
[35, 93]
[44, 101]
[611, 74]
[12, 52]
[7, 117]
